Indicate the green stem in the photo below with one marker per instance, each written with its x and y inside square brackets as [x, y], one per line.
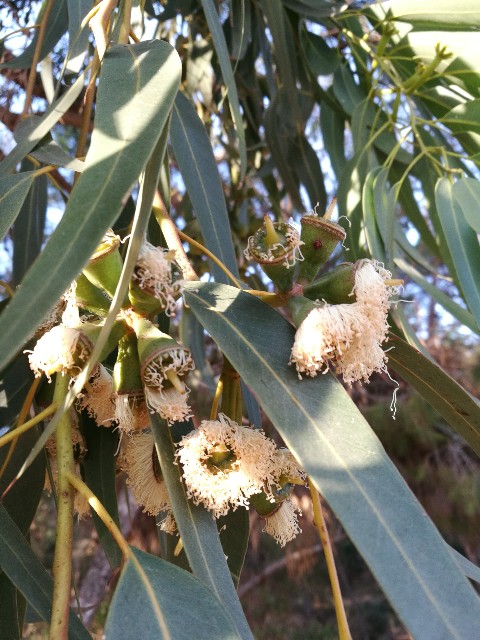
[62, 561]
[342, 622]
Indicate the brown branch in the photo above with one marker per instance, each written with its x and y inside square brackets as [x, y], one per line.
[277, 566]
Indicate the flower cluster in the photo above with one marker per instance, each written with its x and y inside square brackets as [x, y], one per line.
[226, 465]
[348, 337]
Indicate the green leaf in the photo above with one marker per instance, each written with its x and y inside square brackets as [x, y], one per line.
[99, 466]
[155, 599]
[464, 117]
[56, 27]
[283, 51]
[52, 153]
[218, 38]
[458, 312]
[44, 124]
[194, 154]
[467, 195]
[469, 569]
[463, 244]
[346, 462]
[439, 15]
[29, 227]
[13, 191]
[374, 239]
[26, 572]
[445, 395]
[130, 118]
[234, 529]
[77, 37]
[9, 609]
[199, 532]
[321, 59]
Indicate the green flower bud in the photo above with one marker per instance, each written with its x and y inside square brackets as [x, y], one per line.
[106, 264]
[319, 239]
[90, 297]
[276, 248]
[336, 286]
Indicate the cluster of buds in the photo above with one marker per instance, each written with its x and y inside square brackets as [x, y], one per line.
[149, 366]
[341, 317]
[226, 465]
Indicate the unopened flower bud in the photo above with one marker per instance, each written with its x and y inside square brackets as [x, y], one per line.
[276, 248]
[319, 239]
[106, 264]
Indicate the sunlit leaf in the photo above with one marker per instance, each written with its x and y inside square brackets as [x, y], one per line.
[196, 161]
[341, 454]
[120, 147]
[155, 599]
[467, 195]
[463, 244]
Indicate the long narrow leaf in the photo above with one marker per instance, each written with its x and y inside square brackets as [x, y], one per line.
[463, 244]
[29, 576]
[13, 191]
[196, 161]
[218, 38]
[445, 395]
[155, 599]
[343, 457]
[131, 115]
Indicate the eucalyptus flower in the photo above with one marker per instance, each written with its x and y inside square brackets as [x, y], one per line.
[139, 460]
[225, 463]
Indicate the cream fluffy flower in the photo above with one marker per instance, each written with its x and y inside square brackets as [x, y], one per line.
[140, 462]
[283, 523]
[347, 337]
[224, 464]
[153, 273]
[130, 412]
[60, 350]
[97, 398]
[165, 393]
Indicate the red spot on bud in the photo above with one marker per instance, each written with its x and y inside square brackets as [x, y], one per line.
[317, 244]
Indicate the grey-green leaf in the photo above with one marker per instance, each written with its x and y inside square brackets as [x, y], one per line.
[218, 38]
[56, 27]
[345, 460]
[467, 195]
[13, 191]
[155, 599]
[462, 242]
[445, 395]
[29, 576]
[194, 154]
[137, 87]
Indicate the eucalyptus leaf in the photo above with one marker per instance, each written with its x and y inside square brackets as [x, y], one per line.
[445, 395]
[155, 599]
[194, 154]
[56, 27]
[467, 195]
[78, 37]
[13, 191]
[99, 466]
[463, 244]
[436, 16]
[120, 148]
[346, 462]
[29, 576]
[218, 38]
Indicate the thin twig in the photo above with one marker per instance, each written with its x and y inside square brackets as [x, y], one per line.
[319, 520]
[36, 58]
[62, 560]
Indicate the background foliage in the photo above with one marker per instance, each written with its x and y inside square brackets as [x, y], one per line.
[234, 110]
